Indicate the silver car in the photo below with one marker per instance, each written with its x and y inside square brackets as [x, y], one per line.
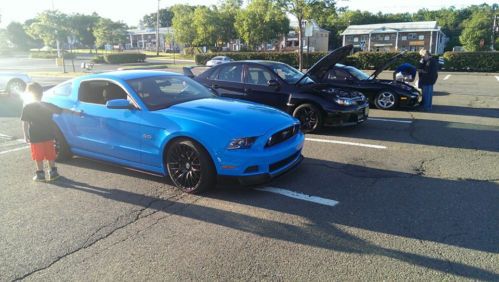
[13, 83]
[218, 60]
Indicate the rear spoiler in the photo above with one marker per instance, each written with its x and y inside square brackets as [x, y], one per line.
[188, 71]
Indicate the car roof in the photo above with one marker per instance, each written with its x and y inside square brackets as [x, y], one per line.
[128, 74]
[261, 62]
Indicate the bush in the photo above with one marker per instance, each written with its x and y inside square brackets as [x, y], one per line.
[50, 55]
[472, 61]
[99, 59]
[122, 58]
[370, 60]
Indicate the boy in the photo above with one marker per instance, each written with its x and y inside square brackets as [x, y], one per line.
[38, 130]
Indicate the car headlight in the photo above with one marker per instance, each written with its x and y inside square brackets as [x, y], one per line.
[344, 101]
[241, 143]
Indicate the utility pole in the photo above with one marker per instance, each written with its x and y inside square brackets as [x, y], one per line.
[495, 28]
[157, 31]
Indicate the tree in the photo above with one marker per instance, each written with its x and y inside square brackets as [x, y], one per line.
[165, 19]
[49, 26]
[303, 10]
[206, 24]
[261, 22]
[82, 27]
[108, 32]
[182, 20]
[17, 35]
[477, 28]
[227, 18]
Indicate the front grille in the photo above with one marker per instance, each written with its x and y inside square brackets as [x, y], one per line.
[282, 135]
[282, 163]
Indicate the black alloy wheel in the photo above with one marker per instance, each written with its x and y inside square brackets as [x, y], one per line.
[62, 150]
[385, 100]
[16, 87]
[189, 166]
[309, 116]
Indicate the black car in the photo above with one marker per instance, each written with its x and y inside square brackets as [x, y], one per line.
[284, 87]
[382, 93]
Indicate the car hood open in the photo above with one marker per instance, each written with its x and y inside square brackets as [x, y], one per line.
[327, 62]
[384, 65]
[240, 118]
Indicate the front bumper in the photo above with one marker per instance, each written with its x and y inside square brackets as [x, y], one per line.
[348, 117]
[410, 101]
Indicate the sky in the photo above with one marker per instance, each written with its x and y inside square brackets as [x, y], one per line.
[130, 12]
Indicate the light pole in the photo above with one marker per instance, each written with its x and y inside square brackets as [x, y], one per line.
[157, 31]
[495, 28]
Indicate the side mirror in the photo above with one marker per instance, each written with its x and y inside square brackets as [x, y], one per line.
[119, 104]
[273, 83]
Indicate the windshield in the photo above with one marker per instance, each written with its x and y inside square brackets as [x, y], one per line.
[160, 92]
[289, 74]
[360, 75]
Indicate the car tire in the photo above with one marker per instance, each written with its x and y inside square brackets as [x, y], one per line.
[386, 100]
[62, 150]
[310, 117]
[189, 166]
[16, 87]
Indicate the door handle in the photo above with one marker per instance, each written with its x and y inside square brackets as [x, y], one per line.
[214, 86]
[80, 113]
[247, 90]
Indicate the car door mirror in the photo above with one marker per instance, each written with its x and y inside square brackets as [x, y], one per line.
[273, 83]
[119, 104]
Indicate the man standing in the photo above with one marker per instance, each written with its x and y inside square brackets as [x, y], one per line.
[428, 74]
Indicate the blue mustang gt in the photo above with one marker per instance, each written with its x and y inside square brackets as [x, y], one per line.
[168, 124]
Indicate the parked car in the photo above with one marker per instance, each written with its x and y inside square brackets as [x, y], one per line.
[13, 83]
[168, 124]
[284, 87]
[215, 61]
[382, 93]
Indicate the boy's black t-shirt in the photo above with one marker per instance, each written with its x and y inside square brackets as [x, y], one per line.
[38, 115]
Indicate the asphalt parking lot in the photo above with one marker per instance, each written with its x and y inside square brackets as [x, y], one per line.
[407, 195]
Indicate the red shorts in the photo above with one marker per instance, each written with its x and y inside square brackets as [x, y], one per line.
[43, 151]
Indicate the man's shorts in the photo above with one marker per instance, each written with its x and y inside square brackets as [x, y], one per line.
[43, 151]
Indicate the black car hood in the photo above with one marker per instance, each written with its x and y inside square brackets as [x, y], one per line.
[327, 62]
[384, 65]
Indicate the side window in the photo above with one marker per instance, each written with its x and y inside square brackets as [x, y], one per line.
[230, 73]
[338, 75]
[258, 76]
[100, 91]
[63, 90]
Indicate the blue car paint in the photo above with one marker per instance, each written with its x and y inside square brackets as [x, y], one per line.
[118, 135]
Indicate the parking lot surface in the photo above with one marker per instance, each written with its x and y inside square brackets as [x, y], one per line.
[407, 195]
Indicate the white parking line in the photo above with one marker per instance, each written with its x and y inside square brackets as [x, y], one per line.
[299, 196]
[390, 120]
[447, 77]
[346, 143]
[13, 150]
[497, 77]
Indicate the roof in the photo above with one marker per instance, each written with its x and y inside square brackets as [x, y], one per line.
[128, 74]
[390, 27]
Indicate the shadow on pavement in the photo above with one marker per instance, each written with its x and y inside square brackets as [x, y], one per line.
[457, 213]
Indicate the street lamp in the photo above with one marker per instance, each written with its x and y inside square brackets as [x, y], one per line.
[157, 31]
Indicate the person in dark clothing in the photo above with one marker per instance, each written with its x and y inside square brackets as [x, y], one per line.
[38, 130]
[428, 74]
[405, 72]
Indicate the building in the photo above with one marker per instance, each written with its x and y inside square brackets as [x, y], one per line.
[406, 36]
[145, 39]
[319, 41]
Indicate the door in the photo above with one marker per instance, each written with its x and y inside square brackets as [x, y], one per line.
[228, 81]
[257, 88]
[108, 132]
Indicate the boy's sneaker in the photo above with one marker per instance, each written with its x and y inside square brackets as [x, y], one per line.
[39, 176]
[53, 174]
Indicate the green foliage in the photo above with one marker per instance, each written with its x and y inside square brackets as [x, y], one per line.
[472, 61]
[122, 58]
[182, 21]
[262, 21]
[50, 55]
[49, 26]
[477, 28]
[81, 27]
[165, 19]
[107, 31]
[99, 59]
[17, 35]
[205, 23]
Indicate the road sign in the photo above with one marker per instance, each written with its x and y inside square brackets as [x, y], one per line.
[309, 29]
[362, 45]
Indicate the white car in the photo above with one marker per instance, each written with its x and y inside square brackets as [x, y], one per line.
[218, 60]
[13, 83]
